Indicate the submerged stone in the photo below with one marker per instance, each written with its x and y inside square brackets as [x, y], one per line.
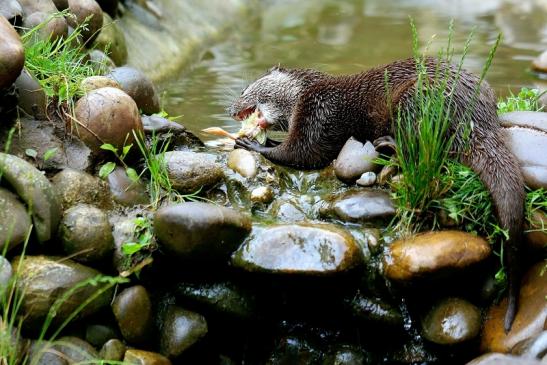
[299, 249]
[181, 329]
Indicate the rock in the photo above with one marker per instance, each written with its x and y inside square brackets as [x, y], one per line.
[286, 211]
[88, 12]
[501, 359]
[112, 40]
[200, 230]
[243, 162]
[524, 119]
[6, 273]
[181, 329]
[126, 230]
[98, 334]
[354, 159]
[55, 26]
[109, 6]
[101, 63]
[375, 310]
[96, 82]
[113, 350]
[222, 297]
[452, 321]
[107, 115]
[139, 357]
[191, 171]
[537, 234]
[124, 191]
[133, 311]
[532, 348]
[76, 187]
[262, 194]
[15, 221]
[30, 95]
[35, 190]
[361, 206]
[386, 174]
[61, 4]
[44, 280]
[367, 179]
[530, 318]
[529, 144]
[347, 355]
[11, 10]
[165, 131]
[12, 54]
[75, 350]
[540, 63]
[44, 353]
[428, 253]
[86, 234]
[138, 86]
[299, 249]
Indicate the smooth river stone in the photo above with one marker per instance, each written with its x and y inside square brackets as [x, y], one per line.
[243, 162]
[14, 220]
[12, 53]
[363, 205]
[133, 311]
[181, 329]
[354, 159]
[191, 171]
[299, 249]
[428, 253]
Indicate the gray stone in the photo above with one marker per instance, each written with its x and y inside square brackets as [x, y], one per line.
[137, 85]
[112, 39]
[354, 159]
[166, 131]
[299, 249]
[74, 187]
[75, 350]
[361, 205]
[133, 311]
[286, 211]
[243, 162]
[191, 171]
[11, 9]
[367, 179]
[375, 310]
[124, 191]
[98, 334]
[181, 329]
[30, 95]
[15, 221]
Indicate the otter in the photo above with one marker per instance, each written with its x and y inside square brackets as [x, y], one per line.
[321, 111]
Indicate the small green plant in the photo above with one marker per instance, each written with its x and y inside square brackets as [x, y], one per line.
[143, 234]
[107, 168]
[525, 100]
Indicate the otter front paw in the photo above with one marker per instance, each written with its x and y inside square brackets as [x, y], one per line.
[249, 144]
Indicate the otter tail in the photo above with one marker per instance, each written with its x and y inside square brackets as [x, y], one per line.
[498, 169]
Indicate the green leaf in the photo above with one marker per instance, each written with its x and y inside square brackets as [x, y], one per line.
[132, 174]
[106, 169]
[31, 153]
[126, 149]
[50, 153]
[131, 248]
[109, 147]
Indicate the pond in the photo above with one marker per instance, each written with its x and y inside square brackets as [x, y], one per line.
[350, 36]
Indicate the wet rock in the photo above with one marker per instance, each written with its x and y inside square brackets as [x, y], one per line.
[373, 237]
[530, 318]
[139, 357]
[294, 350]
[138, 86]
[98, 334]
[12, 54]
[96, 82]
[262, 194]
[354, 159]
[537, 234]
[224, 297]
[112, 40]
[106, 115]
[452, 321]
[529, 144]
[76, 187]
[133, 311]
[532, 348]
[86, 234]
[361, 205]
[11, 10]
[286, 211]
[112, 350]
[54, 28]
[501, 359]
[243, 162]
[124, 191]
[428, 253]
[200, 230]
[35, 190]
[15, 221]
[191, 171]
[347, 355]
[6, 273]
[299, 249]
[88, 12]
[181, 329]
[100, 62]
[31, 97]
[540, 63]
[367, 179]
[75, 350]
[44, 280]
[165, 130]
[376, 310]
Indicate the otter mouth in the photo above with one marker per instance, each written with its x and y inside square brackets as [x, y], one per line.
[246, 113]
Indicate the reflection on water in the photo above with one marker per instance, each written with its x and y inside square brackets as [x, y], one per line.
[349, 36]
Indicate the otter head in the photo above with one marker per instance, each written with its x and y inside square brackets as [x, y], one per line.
[273, 95]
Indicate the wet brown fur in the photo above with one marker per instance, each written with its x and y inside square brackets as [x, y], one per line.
[330, 109]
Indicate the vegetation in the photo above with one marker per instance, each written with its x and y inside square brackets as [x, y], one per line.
[525, 100]
[108, 167]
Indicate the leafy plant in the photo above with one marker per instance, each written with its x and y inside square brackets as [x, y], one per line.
[107, 168]
[525, 100]
[143, 234]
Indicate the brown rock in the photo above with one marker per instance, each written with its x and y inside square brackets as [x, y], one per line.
[12, 54]
[139, 357]
[530, 318]
[540, 63]
[88, 12]
[431, 252]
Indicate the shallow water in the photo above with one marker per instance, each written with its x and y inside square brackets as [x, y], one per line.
[349, 36]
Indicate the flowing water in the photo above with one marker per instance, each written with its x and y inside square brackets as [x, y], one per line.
[349, 36]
